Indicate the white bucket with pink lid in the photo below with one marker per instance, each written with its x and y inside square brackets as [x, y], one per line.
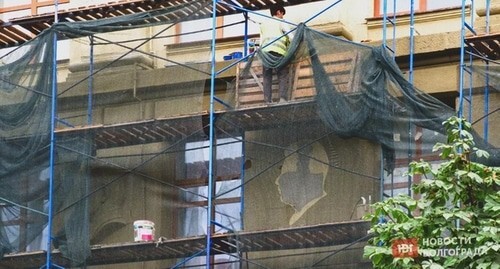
[144, 231]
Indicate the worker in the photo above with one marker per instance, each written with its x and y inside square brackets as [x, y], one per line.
[275, 37]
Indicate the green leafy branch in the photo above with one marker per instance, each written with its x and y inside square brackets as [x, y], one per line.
[457, 217]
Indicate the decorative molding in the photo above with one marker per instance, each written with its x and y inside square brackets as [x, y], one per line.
[494, 9]
[420, 17]
[237, 43]
[334, 28]
[183, 49]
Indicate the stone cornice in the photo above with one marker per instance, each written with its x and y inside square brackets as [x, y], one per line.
[335, 28]
[420, 17]
[494, 9]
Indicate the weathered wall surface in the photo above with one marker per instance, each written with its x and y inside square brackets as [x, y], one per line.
[265, 207]
[139, 88]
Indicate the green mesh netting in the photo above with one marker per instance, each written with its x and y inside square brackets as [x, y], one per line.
[313, 148]
[379, 101]
[26, 83]
[25, 123]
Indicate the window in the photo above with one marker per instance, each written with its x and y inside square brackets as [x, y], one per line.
[403, 6]
[25, 229]
[227, 209]
[193, 177]
[16, 225]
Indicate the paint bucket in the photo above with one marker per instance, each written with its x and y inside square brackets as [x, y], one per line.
[144, 231]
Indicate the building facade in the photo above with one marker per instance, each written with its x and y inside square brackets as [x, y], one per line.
[282, 181]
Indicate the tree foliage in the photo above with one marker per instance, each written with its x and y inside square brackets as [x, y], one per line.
[455, 221]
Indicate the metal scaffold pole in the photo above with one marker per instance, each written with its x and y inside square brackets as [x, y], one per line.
[211, 140]
[384, 44]
[410, 79]
[49, 263]
[466, 95]
[486, 88]
[464, 27]
[462, 55]
[91, 81]
[392, 22]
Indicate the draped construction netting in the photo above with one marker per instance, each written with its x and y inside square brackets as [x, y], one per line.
[25, 156]
[25, 130]
[26, 84]
[316, 158]
[349, 105]
[360, 92]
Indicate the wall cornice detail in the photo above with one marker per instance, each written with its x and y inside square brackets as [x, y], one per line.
[420, 17]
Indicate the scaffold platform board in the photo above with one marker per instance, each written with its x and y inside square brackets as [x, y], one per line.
[20, 30]
[487, 45]
[322, 235]
[182, 126]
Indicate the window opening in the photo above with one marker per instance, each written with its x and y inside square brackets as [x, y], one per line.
[227, 206]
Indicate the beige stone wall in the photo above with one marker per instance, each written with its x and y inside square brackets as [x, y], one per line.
[265, 209]
[477, 107]
[133, 197]
[264, 206]
[446, 76]
[130, 196]
[424, 25]
[127, 91]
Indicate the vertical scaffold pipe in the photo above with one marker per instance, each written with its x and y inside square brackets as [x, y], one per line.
[471, 59]
[410, 131]
[393, 23]
[211, 139]
[393, 51]
[412, 37]
[487, 79]
[91, 81]
[242, 180]
[384, 44]
[462, 55]
[384, 24]
[48, 262]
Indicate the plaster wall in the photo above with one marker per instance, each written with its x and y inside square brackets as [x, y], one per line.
[424, 24]
[136, 91]
[440, 78]
[130, 197]
[477, 108]
[264, 206]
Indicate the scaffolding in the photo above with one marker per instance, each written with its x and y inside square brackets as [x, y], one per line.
[158, 130]
[247, 116]
[478, 44]
[389, 23]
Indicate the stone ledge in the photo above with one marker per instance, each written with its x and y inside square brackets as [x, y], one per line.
[420, 17]
[425, 44]
[103, 60]
[232, 44]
